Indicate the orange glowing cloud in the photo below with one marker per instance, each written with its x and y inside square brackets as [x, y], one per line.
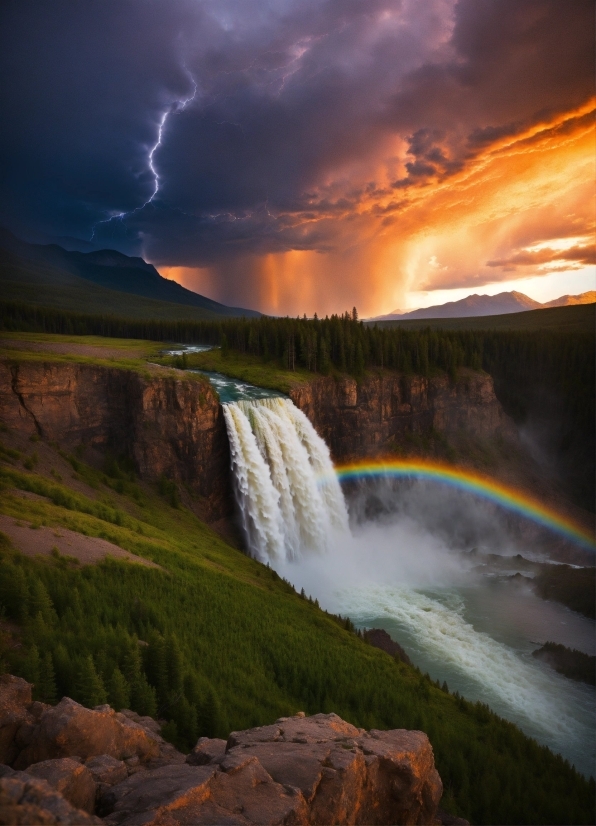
[500, 215]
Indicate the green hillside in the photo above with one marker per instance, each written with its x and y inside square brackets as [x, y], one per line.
[580, 318]
[39, 284]
[104, 281]
[213, 641]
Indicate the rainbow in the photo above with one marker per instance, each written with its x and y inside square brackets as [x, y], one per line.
[466, 480]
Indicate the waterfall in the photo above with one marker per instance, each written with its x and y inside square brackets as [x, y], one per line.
[287, 493]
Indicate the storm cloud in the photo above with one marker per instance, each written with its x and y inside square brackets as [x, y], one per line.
[304, 119]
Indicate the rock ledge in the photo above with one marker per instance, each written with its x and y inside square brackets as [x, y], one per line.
[91, 766]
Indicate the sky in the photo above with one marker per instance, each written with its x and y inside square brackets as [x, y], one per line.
[301, 156]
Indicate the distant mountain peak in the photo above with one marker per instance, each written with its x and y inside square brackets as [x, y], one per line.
[486, 305]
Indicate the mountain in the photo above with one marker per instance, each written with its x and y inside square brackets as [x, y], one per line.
[472, 305]
[571, 300]
[49, 267]
[486, 305]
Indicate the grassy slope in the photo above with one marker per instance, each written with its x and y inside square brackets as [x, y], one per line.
[251, 648]
[44, 286]
[577, 318]
[123, 353]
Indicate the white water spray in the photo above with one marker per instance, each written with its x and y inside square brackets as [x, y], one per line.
[278, 462]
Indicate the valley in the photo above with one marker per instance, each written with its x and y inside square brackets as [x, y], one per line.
[149, 476]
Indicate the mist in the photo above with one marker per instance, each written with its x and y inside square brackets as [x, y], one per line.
[416, 563]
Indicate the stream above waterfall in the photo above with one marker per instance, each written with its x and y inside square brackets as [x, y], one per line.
[228, 388]
[235, 390]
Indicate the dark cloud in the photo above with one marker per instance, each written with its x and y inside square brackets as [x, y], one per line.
[292, 95]
[426, 146]
[510, 65]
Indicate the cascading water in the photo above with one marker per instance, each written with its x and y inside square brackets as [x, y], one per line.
[279, 462]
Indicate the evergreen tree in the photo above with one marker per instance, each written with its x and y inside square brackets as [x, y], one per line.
[31, 668]
[118, 690]
[174, 663]
[210, 716]
[40, 602]
[157, 665]
[14, 594]
[359, 361]
[89, 686]
[65, 670]
[186, 718]
[132, 663]
[47, 691]
[143, 697]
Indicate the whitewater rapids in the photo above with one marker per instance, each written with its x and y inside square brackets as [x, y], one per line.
[464, 627]
[278, 464]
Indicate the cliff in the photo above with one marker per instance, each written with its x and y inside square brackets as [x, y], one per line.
[173, 426]
[359, 419]
[166, 425]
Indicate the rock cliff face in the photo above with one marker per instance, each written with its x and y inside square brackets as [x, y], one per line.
[362, 419]
[175, 426]
[76, 763]
[168, 426]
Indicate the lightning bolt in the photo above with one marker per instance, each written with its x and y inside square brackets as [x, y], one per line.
[175, 108]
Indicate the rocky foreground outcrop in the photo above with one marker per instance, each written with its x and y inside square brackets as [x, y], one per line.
[71, 765]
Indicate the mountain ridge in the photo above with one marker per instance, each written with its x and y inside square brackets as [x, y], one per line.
[107, 269]
[486, 305]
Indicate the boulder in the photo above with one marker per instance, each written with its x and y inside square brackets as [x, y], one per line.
[379, 638]
[207, 750]
[145, 722]
[26, 800]
[320, 728]
[240, 792]
[146, 796]
[345, 774]
[243, 792]
[15, 700]
[299, 771]
[69, 729]
[106, 770]
[69, 777]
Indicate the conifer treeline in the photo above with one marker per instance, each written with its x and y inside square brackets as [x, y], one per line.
[344, 344]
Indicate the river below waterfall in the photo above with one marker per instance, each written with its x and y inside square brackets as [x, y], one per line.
[473, 626]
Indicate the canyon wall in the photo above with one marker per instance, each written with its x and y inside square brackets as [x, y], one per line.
[359, 419]
[168, 426]
[174, 426]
